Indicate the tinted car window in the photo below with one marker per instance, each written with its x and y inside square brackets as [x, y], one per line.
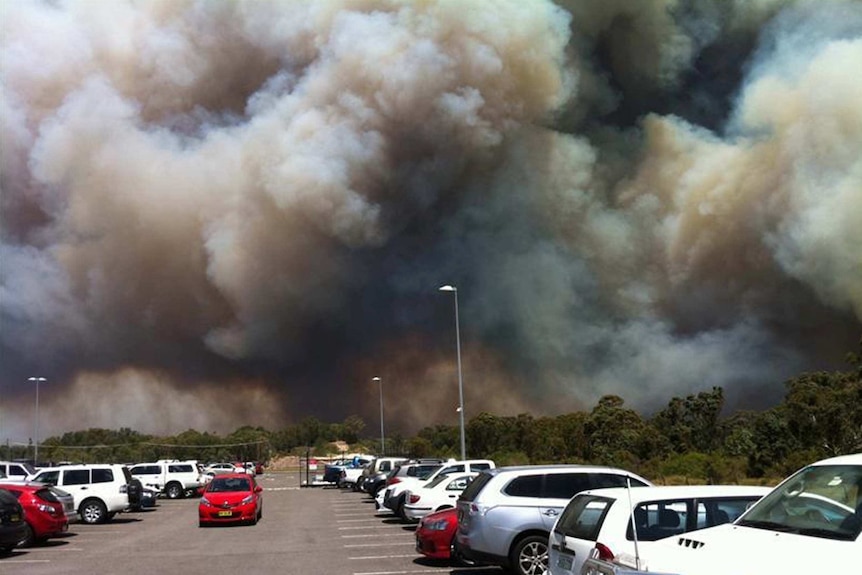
[565, 485]
[452, 469]
[525, 486]
[601, 480]
[103, 475]
[76, 477]
[146, 470]
[180, 468]
[475, 487]
[47, 495]
[480, 466]
[583, 517]
[49, 477]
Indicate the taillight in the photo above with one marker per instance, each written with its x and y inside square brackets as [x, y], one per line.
[605, 554]
[414, 498]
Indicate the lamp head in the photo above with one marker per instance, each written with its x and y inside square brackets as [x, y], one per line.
[448, 287]
[375, 379]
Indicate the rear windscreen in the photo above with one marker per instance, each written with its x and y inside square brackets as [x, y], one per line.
[475, 487]
[583, 517]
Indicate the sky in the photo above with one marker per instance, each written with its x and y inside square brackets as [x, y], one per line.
[215, 214]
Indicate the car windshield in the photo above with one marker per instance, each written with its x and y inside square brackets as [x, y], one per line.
[220, 484]
[819, 501]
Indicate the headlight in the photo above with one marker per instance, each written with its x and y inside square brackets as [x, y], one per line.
[206, 502]
[247, 500]
[439, 525]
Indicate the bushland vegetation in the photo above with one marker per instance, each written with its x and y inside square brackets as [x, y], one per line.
[690, 440]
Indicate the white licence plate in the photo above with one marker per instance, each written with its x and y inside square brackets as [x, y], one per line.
[564, 562]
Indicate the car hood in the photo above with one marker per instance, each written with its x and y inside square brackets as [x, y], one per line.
[229, 497]
[733, 549]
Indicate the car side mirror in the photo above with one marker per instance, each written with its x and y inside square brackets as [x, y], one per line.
[258, 489]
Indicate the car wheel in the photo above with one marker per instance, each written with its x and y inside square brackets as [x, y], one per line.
[29, 536]
[93, 511]
[174, 490]
[530, 556]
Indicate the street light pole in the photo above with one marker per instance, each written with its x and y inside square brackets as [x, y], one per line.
[454, 290]
[36, 445]
[382, 438]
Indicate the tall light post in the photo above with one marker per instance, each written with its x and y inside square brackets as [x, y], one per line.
[454, 290]
[382, 438]
[37, 380]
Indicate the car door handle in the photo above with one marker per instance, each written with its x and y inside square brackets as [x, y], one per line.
[551, 512]
[84, 488]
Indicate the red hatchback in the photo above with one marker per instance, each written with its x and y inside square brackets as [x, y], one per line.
[230, 498]
[43, 512]
[435, 535]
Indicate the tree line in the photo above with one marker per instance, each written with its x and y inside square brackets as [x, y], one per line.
[820, 416]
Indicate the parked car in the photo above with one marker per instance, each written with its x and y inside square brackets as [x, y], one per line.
[332, 471]
[44, 513]
[602, 519]
[395, 495]
[436, 495]
[435, 536]
[505, 515]
[810, 523]
[13, 528]
[174, 478]
[231, 498]
[374, 475]
[224, 467]
[100, 491]
[16, 469]
[404, 471]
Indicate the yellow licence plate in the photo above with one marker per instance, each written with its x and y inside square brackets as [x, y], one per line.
[14, 518]
[225, 513]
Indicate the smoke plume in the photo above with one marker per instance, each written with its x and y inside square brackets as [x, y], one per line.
[227, 213]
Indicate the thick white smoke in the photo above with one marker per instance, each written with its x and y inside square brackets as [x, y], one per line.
[254, 195]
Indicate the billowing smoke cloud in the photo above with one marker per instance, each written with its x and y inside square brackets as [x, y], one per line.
[247, 207]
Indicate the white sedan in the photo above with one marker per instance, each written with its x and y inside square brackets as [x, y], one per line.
[439, 493]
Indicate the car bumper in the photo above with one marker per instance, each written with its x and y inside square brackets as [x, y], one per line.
[218, 515]
[434, 544]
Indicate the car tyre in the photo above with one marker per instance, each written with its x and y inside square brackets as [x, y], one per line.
[29, 536]
[174, 490]
[93, 511]
[530, 556]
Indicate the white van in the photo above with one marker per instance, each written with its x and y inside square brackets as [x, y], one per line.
[100, 491]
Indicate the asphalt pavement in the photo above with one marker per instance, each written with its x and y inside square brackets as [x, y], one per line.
[304, 530]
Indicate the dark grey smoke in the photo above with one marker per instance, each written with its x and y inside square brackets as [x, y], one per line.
[222, 213]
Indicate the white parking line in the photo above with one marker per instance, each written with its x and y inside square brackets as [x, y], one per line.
[411, 543]
[371, 527]
[367, 519]
[383, 556]
[396, 572]
[8, 561]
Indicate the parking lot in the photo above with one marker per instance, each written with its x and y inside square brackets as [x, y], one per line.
[303, 530]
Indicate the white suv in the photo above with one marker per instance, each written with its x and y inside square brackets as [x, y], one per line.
[505, 515]
[100, 491]
[174, 478]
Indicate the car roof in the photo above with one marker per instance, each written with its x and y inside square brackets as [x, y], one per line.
[555, 467]
[639, 494]
[852, 459]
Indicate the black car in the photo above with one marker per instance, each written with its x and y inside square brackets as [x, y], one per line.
[13, 528]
